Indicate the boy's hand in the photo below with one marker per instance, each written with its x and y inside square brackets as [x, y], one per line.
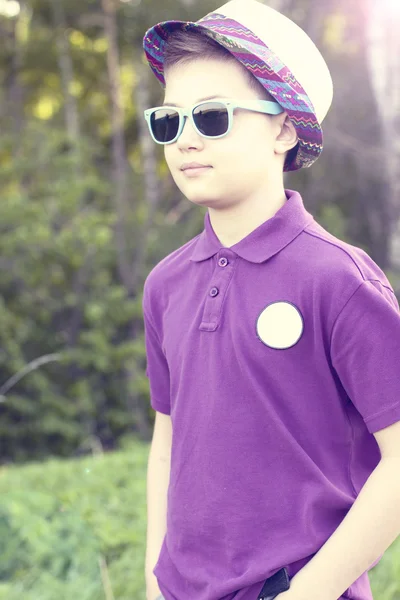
[293, 594]
[154, 596]
[153, 592]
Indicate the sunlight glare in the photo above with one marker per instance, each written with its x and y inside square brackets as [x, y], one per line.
[390, 6]
[10, 8]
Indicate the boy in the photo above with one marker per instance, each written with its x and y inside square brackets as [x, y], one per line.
[272, 346]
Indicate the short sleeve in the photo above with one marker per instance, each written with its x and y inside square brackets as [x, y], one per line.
[157, 369]
[365, 352]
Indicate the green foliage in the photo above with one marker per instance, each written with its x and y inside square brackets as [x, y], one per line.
[60, 521]
[59, 293]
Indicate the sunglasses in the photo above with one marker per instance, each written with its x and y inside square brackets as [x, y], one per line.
[211, 119]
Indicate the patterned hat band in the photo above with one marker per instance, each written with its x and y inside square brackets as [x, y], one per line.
[265, 64]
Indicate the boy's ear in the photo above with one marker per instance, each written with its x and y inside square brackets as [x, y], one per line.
[286, 134]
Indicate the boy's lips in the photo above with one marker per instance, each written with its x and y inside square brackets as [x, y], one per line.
[194, 171]
[192, 165]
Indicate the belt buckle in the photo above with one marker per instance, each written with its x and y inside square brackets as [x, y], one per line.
[274, 585]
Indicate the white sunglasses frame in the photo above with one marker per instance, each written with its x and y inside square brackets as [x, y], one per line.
[261, 106]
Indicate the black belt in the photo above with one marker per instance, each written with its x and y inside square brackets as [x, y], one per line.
[273, 586]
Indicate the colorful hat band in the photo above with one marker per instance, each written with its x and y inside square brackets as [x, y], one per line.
[256, 57]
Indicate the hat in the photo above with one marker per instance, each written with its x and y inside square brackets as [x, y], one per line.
[277, 52]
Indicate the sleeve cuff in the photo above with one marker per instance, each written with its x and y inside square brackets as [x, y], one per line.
[383, 419]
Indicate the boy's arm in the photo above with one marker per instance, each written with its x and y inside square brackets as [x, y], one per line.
[158, 473]
[365, 353]
[368, 529]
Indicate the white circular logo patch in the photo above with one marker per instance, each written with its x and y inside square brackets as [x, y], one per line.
[280, 325]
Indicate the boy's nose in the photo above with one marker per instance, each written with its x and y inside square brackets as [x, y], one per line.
[188, 134]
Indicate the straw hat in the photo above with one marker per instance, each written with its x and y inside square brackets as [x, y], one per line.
[277, 52]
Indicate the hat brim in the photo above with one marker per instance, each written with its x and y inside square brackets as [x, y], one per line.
[268, 69]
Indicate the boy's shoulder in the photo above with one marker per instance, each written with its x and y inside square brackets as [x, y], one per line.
[333, 255]
[337, 268]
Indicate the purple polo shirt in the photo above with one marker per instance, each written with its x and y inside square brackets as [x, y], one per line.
[277, 358]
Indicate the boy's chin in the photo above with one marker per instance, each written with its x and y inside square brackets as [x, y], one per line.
[204, 200]
[199, 199]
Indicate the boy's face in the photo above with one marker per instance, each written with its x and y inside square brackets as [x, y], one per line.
[245, 163]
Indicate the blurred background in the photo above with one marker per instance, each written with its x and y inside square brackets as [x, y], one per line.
[88, 208]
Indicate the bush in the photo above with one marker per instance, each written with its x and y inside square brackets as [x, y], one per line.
[66, 525]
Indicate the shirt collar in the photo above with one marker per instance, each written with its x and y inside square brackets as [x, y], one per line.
[263, 242]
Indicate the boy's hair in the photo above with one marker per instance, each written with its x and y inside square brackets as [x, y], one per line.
[184, 47]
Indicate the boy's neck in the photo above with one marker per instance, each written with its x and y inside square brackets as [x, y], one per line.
[234, 223]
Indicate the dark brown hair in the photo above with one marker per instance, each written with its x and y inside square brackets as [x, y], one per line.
[184, 47]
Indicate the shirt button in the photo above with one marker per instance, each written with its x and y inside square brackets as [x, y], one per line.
[223, 262]
[214, 291]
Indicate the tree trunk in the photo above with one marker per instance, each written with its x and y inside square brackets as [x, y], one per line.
[151, 197]
[384, 66]
[66, 72]
[16, 91]
[118, 144]
[149, 162]
[129, 273]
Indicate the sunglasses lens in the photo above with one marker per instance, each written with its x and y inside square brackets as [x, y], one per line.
[211, 118]
[164, 124]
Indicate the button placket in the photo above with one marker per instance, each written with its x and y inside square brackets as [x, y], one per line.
[216, 294]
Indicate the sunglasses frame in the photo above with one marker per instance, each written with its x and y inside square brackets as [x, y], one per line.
[262, 106]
